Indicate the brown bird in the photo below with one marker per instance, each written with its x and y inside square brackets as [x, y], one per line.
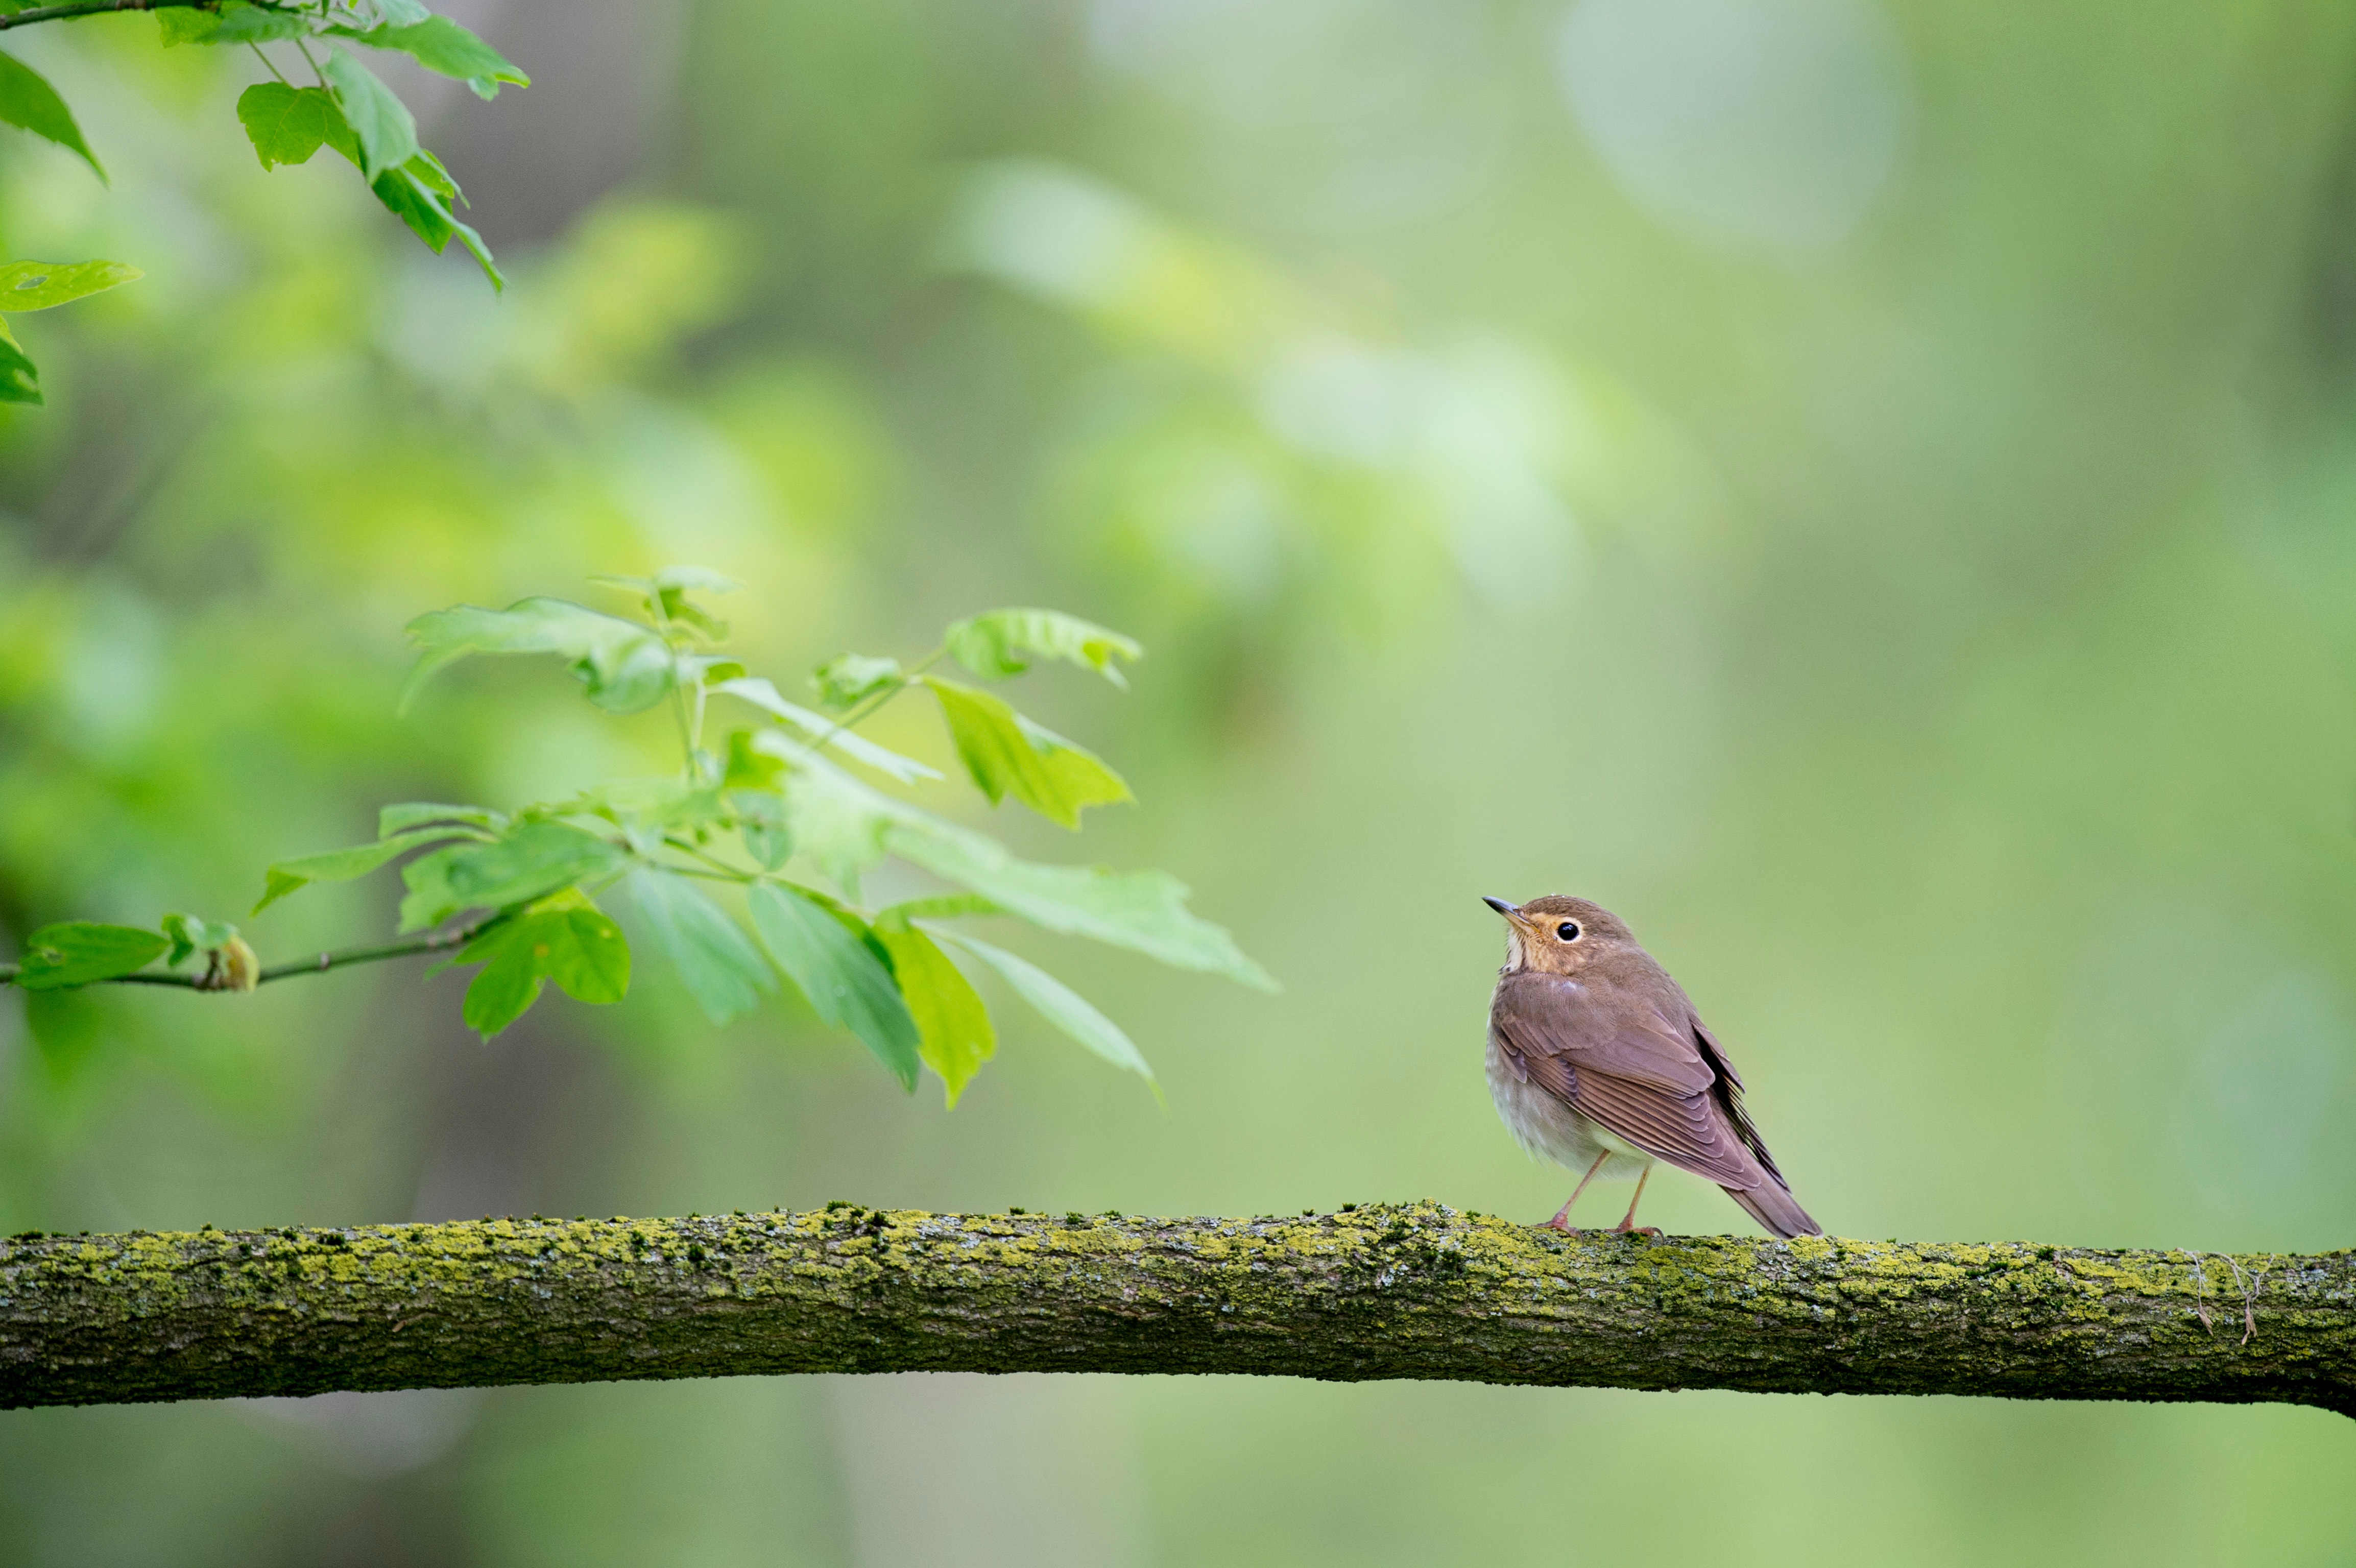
[1599, 1063]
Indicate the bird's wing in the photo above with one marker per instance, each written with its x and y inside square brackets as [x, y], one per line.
[1627, 1068]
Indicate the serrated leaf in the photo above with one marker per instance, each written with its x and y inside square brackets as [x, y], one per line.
[992, 644]
[433, 177]
[342, 865]
[381, 122]
[850, 679]
[952, 1024]
[27, 99]
[715, 960]
[625, 666]
[1058, 1004]
[411, 814]
[190, 934]
[531, 862]
[761, 693]
[43, 285]
[286, 124]
[1008, 755]
[1144, 911]
[573, 944]
[439, 43]
[81, 952]
[408, 196]
[20, 378]
[846, 984]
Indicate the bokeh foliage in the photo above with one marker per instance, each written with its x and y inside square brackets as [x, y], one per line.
[1933, 634]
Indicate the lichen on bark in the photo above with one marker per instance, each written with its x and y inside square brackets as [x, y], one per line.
[1417, 1290]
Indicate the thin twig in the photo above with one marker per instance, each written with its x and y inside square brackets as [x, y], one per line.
[320, 965]
[73, 8]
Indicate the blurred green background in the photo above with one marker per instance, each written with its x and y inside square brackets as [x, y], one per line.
[1863, 492]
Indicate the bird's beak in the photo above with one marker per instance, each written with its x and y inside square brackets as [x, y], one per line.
[1502, 907]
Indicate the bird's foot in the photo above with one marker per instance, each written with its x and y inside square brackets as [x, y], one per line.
[1564, 1226]
[1625, 1229]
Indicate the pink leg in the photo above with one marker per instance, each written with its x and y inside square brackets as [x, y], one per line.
[1628, 1220]
[1561, 1221]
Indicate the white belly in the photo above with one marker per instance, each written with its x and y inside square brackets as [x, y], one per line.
[1550, 1129]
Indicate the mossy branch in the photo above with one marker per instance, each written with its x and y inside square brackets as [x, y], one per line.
[1411, 1291]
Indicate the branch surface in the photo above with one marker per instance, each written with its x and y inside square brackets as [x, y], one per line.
[1415, 1290]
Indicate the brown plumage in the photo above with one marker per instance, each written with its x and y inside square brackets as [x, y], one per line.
[1597, 1057]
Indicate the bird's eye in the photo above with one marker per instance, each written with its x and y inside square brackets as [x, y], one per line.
[1567, 931]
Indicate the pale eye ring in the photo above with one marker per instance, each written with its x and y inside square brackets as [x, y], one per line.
[1567, 931]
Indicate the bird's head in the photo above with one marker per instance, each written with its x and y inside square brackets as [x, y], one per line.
[1559, 934]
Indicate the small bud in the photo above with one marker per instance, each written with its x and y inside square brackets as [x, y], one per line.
[240, 970]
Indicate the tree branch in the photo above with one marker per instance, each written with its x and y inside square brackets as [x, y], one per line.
[341, 958]
[1410, 1291]
[73, 8]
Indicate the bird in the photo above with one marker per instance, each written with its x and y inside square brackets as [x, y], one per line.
[1599, 1063]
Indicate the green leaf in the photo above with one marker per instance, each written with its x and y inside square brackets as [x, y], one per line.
[848, 984]
[190, 934]
[411, 814]
[951, 1022]
[761, 693]
[439, 43]
[78, 951]
[398, 12]
[176, 26]
[408, 196]
[286, 124]
[761, 823]
[342, 865]
[572, 943]
[1008, 755]
[849, 679]
[42, 286]
[990, 645]
[386, 131]
[625, 666]
[1144, 911]
[433, 177]
[20, 378]
[256, 25]
[534, 861]
[27, 100]
[939, 906]
[1059, 1005]
[719, 964]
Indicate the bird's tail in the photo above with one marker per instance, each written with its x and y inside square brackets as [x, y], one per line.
[1772, 1205]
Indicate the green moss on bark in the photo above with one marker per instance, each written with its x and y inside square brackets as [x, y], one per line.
[1383, 1291]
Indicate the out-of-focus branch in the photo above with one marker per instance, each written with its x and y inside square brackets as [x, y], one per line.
[73, 8]
[1410, 1291]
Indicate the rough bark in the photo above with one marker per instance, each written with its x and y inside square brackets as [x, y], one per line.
[1411, 1291]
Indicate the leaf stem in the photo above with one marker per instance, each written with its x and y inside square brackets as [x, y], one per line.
[268, 65]
[864, 710]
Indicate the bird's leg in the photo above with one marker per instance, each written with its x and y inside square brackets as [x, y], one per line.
[1628, 1220]
[1561, 1221]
